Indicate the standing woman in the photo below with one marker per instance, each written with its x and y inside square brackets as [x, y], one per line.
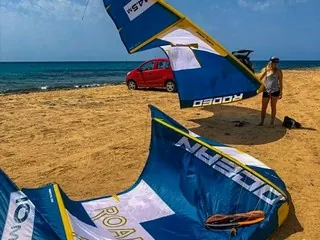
[272, 76]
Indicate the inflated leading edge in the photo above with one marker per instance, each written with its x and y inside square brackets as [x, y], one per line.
[205, 72]
[191, 188]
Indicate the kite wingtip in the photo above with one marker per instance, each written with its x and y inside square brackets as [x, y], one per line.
[116, 197]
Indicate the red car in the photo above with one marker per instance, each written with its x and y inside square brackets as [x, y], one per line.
[155, 73]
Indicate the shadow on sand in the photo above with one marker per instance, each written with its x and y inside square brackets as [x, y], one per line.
[155, 90]
[306, 128]
[289, 227]
[238, 125]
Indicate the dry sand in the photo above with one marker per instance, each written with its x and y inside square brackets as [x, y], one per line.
[94, 142]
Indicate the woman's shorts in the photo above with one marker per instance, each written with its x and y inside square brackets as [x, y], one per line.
[274, 94]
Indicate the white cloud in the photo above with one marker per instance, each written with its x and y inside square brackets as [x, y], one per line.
[262, 5]
[296, 1]
[55, 9]
[54, 29]
[254, 5]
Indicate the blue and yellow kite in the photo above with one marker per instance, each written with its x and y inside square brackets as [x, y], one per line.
[205, 72]
[191, 188]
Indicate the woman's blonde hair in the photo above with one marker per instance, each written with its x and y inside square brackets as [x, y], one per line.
[269, 68]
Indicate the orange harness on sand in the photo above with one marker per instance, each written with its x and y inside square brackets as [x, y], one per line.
[233, 221]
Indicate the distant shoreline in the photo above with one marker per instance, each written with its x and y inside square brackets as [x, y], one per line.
[74, 61]
[136, 61]
[90, 80]
[39, 90]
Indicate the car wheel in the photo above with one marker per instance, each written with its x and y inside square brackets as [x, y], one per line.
[132, 85]
[170, 86]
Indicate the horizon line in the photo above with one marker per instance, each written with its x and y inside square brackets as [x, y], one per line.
[86, 61]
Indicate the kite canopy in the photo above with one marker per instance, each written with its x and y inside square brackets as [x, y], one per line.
[191, 188]
[205, 72]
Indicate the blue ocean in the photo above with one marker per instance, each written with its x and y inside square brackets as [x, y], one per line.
[45, 76]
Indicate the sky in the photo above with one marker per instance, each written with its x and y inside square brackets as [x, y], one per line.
[53, 30]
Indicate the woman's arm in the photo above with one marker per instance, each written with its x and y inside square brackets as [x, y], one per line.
[264, 71]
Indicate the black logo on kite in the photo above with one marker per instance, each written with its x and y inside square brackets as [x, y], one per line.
[20, 215]
[135, 7]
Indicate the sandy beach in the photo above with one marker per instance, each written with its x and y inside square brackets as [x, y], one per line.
[94, 142]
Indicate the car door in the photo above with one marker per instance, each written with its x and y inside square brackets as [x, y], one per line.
[147, 73]
[160, 73]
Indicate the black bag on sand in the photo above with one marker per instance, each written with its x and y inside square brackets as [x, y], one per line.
[290, 123]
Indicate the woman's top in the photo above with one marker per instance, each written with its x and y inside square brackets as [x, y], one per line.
[271, 81]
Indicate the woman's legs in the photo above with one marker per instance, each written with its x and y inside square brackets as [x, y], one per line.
[265, 102]
[274, 101]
